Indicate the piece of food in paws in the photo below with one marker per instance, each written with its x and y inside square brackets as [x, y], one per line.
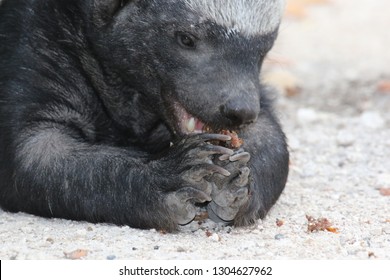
[234, 143]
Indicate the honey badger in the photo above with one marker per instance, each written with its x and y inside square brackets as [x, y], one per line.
[104, 106]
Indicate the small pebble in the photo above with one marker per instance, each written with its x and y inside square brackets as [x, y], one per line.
[279, 236]
[372, 120]
[215, 237]
[371, 255]
[345, 138]
[111, 257]
[180, 249]
[307, 115]
[50, 240]
[156, 247]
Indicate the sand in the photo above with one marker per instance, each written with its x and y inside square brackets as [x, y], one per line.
[331, 61]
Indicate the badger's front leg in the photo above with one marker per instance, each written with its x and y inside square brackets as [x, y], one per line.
[258, 174]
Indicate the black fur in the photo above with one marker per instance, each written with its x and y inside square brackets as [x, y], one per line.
[88, 91]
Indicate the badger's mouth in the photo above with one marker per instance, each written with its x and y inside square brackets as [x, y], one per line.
[187, 123]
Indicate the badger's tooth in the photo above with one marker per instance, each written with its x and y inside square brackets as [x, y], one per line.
[191, 125]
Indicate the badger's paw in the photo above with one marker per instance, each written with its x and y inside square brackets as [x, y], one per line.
[230, 193]
[182, 174]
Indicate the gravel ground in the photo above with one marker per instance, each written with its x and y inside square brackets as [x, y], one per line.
[328, 65]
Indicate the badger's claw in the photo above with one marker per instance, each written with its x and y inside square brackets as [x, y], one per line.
[230, 193]
[182, 203]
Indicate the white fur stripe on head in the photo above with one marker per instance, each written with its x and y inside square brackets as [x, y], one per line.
[249, 17]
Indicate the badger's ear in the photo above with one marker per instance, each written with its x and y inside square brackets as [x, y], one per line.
[104, 10]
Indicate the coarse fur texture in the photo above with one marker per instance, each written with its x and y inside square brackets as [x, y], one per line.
[251, 17]
[104, 106]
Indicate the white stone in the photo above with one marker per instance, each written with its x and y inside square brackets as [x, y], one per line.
[215, 237]
[373, 120]
[345, 138]
[307, 115]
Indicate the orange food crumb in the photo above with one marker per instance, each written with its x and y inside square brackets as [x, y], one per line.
[76, 255]
[320, 224]
[279, 222]
[384, 191]
[235, 142]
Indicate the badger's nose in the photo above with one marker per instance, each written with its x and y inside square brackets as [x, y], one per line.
[239, 112]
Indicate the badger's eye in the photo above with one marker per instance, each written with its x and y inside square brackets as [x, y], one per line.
[186, 40]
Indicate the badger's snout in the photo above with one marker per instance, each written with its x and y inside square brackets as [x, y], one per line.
[239, 111]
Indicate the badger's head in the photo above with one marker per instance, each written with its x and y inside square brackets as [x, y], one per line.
[198, 61]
